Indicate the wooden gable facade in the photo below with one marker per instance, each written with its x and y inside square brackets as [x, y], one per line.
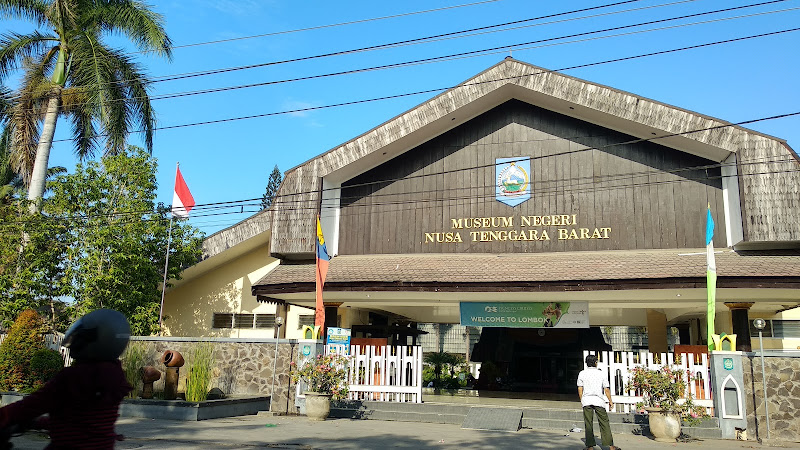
[591, 189]
[640, 172]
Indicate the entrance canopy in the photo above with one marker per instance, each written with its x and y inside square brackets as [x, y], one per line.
[619, 285]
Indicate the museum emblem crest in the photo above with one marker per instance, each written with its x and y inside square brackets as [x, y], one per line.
[513, 184]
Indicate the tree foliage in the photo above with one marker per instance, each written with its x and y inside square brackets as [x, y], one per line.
[100, 242]
[31, 275]
[24, 339]
[272, 188]
[70, 71]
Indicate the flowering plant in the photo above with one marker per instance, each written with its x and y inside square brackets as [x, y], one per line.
[325, 375]
[665, 388]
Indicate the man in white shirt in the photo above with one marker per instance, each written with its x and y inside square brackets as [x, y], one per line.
[595, 394]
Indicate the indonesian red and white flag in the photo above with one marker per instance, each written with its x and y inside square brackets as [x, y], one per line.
[182, 200]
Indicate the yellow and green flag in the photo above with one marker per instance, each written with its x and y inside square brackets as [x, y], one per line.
[711, 272]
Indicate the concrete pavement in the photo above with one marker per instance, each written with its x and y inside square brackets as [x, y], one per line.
[294, 432]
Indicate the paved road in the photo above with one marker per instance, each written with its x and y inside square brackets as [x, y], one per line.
[292, 432]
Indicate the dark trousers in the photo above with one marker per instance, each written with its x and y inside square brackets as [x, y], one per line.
[605, 428]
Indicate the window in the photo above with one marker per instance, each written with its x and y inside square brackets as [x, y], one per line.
[781, 329]
[222, 320]
[265, 320]
[306, 319]
[785, 328]
[229, 320]
[766, 332]
[243, 320]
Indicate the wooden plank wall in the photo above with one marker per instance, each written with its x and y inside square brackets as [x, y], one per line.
[770, 184]
[651, 196]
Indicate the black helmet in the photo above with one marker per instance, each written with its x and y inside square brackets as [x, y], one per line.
[100, 335]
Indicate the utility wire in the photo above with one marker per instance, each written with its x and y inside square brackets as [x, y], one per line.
[433, 38]
[427, 61]
[502, 47]
[572, 184]
[429, 91]
[391, 45]
[443, 58]
[320, 27]
[352, 210]
[277, 200]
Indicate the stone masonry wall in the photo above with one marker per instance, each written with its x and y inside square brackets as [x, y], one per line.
[783, 396]
[240, 366]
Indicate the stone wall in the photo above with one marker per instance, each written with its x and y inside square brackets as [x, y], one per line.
[240, 367]
[783, 395]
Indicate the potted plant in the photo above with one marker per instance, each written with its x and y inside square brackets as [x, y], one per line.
[666, 400]
[326, 379]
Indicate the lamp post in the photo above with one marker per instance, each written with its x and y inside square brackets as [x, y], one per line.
[760, 324]
[278, 323]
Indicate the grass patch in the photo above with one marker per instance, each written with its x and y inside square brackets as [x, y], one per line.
[198, 380]
[132, 363]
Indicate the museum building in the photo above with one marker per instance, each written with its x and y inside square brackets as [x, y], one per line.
[569, 205]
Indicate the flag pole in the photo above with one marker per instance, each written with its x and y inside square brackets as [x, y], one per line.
[164, 285]
[166, 266]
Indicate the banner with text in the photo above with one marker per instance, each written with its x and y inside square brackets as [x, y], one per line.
[525, 314]
[338, 341]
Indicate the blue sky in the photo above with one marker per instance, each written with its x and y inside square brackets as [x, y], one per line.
[231, 161]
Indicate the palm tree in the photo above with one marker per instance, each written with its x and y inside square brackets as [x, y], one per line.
[441, 359]
[70, 72]
[9, 180]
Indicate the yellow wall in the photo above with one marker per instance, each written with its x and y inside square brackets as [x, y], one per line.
[224, 289]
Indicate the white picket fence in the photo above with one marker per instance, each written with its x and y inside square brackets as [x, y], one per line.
[52, 341]
[620, 364]
[385, 373]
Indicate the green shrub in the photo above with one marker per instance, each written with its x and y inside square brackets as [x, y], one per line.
[133, 359]
[199, 379]
[17, 350]
[45, 364]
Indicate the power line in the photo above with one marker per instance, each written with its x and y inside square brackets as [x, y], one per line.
[427, 61]
[391, 45]
[572, 184]
[429, 38]
[628, 142]
[352, 209]
[429, 91]
[297, 30]
[320, 27]
[503, 47]
[456, 56]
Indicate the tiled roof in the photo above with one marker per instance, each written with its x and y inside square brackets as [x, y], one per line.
[529, 268]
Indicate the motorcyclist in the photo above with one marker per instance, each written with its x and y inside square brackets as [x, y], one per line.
[82, 400]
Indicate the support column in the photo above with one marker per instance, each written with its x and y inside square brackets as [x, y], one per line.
[657, 331]
[281, 310]
[740, 322]
[332, 314]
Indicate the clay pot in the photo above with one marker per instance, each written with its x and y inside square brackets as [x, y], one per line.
[318, 406]
[150, 374]
[665, 426]
[172, 358]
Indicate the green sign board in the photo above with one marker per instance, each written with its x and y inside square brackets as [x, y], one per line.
[525, 314]
[727, 363]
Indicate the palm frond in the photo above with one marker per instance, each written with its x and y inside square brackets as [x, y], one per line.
[34, 10]
[15, 48]
[83, 132]
[136, 21]
[24, 121]
[5, 103]
[139, 109]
